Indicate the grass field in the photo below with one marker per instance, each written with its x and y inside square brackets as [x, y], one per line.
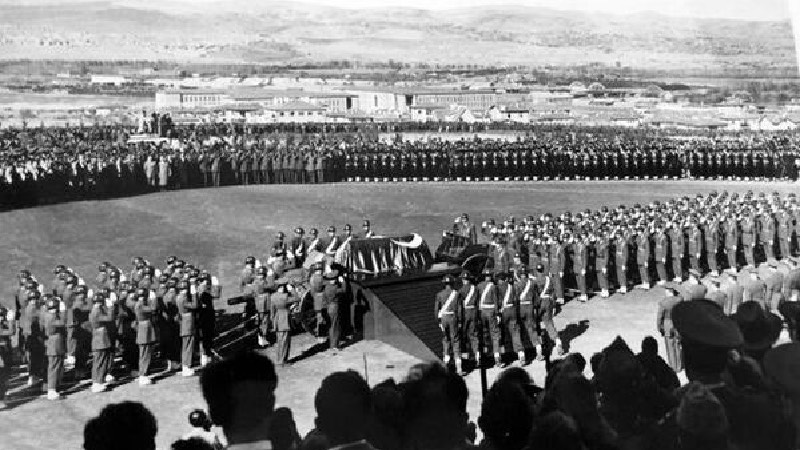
[218, 228]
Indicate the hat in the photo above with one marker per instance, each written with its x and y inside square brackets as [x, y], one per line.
[366, 223]
[331, 229]
[487, 272]
[448, 279]
[703, 321]
[502, 276]
[347, 227]
[759, 328]
[782, 364]
[313, 231]
[299, 230]
[279, 235]
[700, 412]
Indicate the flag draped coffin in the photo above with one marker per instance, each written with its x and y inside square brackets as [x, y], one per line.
[385, 255]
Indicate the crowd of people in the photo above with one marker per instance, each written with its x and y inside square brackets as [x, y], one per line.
[736, 399]
[41, 166]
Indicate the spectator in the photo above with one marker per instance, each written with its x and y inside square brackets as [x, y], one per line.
[435, 409]
[506, 416]
[781, 366]
[654, 365]
[759, 328]
[121, 426]
[387, 423]
[556, 431]
[195, 443]
[240, 393]
[283, 430]
[702, 423]
[344, 410]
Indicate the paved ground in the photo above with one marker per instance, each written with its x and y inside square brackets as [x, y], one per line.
[218, 228]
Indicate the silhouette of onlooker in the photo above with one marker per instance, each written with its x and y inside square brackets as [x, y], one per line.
[121, 426]
[240, 393]
[344, 410]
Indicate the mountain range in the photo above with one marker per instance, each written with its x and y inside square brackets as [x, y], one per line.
[270, 31]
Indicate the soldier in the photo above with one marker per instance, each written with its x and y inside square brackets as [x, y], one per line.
[749, 238]
[621, 259]
[169, 327]
[711, 234]
[734, 293]
[580, 262]
[144, 311]
[643, 257]
[672, 342]
[101, 319]
[545, 310]
[33, 334]
[661, 248]
[447, 309]
[471, 315]
[774, 282]
[557, 266]
[56, 346]
[332, 293]
[731, 237]
[186, 305]
[785, 227]
[334, 242]
[508, 296]
[489, 312]
[206, 316]
[368, 233]
[297, 251]
[692, 289]
[313, 243]
[766, 234]
[280, 305]
[7, 332]
[602, 261]
[695, 246]
[77, 312]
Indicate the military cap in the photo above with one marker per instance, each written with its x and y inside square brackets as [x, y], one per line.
[98, 297]
[163, 278]
[59, 268]
[279, 235]
[299, 230]
[502, 276]
[102, 268]
[539, 268]
[704, 322]
[24, 273]
[114, 274]
[448, 279]
[782, 364]
[347, 227]
[183, 285]
[313, 231]
[250, 260]
[180, 263]
[366, 223]
[331, 229]
[171, 259]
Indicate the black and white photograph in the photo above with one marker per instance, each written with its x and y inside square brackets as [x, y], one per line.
[399, 225]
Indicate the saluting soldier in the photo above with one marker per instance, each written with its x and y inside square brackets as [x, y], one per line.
[101, 319]
[695, 246]
[661, 252]
[643, 257]
[580, 262]
[558, 263]
[621, 254]
[280, 305]
[749, 238]
[145, 314]
[54, 327]
[447, 309]
[489, 312]
[712, 244]
[333, 243]
[731, 237]
[186, 305]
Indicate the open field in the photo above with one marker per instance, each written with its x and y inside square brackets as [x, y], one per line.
[218, 228]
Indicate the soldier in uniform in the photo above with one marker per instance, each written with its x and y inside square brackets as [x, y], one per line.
[602, 262]
[643, 257]
[169, 326]
[145, 312]
[186, 305]
[711, 234]
[508, 296]
[471, 315]
[766, 234]
[695, 246]
[580, 263]
[447, 309]
[672, 342]
[546, 310]
[621, 258]
[731, 236]
[101, 319]
[661, 251]
[489, 312]
[280, 304]
[33, 334]
[558, 263]
[749, 238]
[7, 332]
[333, 243]
[527, 311]
[297, 249]
[54, 327]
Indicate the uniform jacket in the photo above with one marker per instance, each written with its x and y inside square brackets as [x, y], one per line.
[29, 321]
[187, 304]
[643, 248]
[101, 319]
[56, 334]
[448, 304]
[487, 297]
[695, 241]
[145, 311]
[580, 257]
[508, 298]
[280, 303]
[677, 243]
[661, 247]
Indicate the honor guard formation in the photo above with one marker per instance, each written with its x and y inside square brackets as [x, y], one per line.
[721, 247]
[149, 321]
[42, 166]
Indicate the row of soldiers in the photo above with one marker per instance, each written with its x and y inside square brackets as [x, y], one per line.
[70, 326]
[645, 245]
[528, 163]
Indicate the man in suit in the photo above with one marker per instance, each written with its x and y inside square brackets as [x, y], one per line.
[447, 308]
[672, 342]
[489, 312]
[144, 311]
[186, 304]
[56, 344]
[101, 319]
[280, 304]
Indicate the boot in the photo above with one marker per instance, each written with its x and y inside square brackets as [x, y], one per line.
[498, 362]
[98, 387]
[144, 381]
[52, 394]
[623, 289]
[539, 353]
[110, 378]
[559, 348]
[187, 372]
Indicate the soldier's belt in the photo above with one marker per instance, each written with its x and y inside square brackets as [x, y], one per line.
[487, 307]
[447, 313]
[525, 303]
[469, 307]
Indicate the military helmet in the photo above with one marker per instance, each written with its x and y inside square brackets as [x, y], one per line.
[448, 279]
[198, 418]
[250, 260]
[141, 292]
[331, 229]
[171, 260]
[348, 227]
[299, 230]
[366, 224]
[313, 232]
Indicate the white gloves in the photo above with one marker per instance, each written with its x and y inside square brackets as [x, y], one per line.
[62, 306]
[214, 281]
[10, 315]
[109, 303]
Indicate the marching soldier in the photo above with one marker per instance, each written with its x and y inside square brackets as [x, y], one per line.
[368, 233]
[643, 257]
[489, 313]
[545, 311]
[169, 327]
[602, 260]
[661, 249]
[101, 319]
[785, 228]
[186, 305]
[447, 309]
[334, 242]
[56, 345]
[8, 329]
[766, 234]
[508, 296]
[755, 290]
[144, 311]
[557, 266]
[471, 315]
[621, 258]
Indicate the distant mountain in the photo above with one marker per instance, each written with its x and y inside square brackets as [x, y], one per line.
[267, 31]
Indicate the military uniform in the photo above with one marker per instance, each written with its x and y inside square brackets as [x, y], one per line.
[101, 319]
[145, 313]
[489, 314]
[186, 304]
[56, 346]
[678, 252]
[447, 309]
[280, 303]
[508, 296]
